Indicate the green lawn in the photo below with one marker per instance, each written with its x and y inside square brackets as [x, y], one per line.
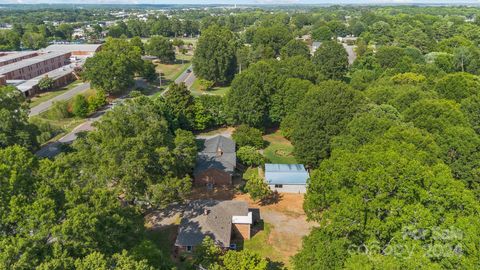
[42, 97]
[261, 244]
[279, 149]
[219, 91]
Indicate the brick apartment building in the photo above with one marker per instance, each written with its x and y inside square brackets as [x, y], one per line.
[29, 68]
[10, 58]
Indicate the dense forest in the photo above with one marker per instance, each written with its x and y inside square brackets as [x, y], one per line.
[392, 141]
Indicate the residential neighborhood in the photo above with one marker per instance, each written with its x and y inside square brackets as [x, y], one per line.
[305, 135]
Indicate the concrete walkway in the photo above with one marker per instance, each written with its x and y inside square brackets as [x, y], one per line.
[65, 96]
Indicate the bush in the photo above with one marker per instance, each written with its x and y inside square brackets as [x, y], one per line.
[205, 85]
[46, 130]
[249, 156]
[45, 83]
[80, 106]
[257, 188]
[248, 136]
[97, 101]
[59, 110]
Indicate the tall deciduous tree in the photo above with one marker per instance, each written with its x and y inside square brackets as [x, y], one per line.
[14, 126]
[162, 48]
[331, 60]
[113, 68]
[323, 113]
[214, 57]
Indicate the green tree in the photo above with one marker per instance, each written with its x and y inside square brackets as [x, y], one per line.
[97, 101]
[214, 57]
[295, 47]
[244, 260]
[322, 33]
[148, 71]
[324, 112]
[248, 101]
[248, 155]
[80, 106]
[14, 126]
[285, 100]
[331, 61]
[208, 253]
[248, 136]
[113, 69]
[137, 42]
[46, 83]
[34, 41]
[162, 48]
[9, 40]
[458, 86]
[257, 188]
[182, 105]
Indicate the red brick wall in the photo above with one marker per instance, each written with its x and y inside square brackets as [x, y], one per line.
[242, 230]
[213, 176]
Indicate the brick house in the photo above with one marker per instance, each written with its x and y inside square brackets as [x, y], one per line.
[216, 162]
[220, 220]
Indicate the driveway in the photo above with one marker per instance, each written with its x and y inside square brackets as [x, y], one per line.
[65, 96]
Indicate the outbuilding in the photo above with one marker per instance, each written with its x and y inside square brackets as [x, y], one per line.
[286, 178]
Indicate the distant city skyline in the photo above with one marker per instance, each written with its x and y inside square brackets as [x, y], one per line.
[241, 2]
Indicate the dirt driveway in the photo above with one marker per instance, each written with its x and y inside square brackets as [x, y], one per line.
[288, 222]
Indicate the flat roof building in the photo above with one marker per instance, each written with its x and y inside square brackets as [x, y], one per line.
[86, 50]
[288, 178]
[9, 58]
[35, 66]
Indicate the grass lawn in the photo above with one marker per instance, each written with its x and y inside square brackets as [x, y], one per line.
[261, 244]
[219, 91]
[66, 125]
[279, 149]
[42, 97]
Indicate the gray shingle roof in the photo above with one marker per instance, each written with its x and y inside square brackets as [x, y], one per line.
[219, 153]
[217, 224]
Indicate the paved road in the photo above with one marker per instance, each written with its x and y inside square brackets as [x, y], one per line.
[186, 77]
[65, 96]
[52, 149]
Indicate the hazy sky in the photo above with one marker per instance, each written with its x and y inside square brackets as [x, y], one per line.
[240, 1]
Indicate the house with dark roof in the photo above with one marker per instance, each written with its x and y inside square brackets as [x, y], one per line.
[216, 162]
[222, 221]
[286, 178]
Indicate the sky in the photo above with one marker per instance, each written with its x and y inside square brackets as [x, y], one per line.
[240, 2]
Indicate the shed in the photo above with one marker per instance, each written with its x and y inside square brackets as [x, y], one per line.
[286, 178]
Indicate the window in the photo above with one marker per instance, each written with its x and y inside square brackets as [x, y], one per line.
[189, 248]
[278, 186]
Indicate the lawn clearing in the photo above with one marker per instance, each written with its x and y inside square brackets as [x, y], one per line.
[279, 150]
[42, 97]
[285, 225]
[218, 91]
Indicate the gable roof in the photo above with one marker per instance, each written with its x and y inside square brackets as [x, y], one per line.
[217, 223]
[286, 174]
[218, 153]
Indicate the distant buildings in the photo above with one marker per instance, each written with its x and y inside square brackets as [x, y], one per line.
[286, 178]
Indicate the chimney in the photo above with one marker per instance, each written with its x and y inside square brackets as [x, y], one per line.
[205, 211]
[219, 151]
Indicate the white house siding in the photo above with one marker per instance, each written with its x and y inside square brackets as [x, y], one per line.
[289, 188]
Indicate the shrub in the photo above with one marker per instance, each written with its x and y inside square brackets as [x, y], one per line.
[257, 188]
[249, 156]
[59, 110]
[80, 106]
[45, 83]
[97, 101]
[248, 136]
